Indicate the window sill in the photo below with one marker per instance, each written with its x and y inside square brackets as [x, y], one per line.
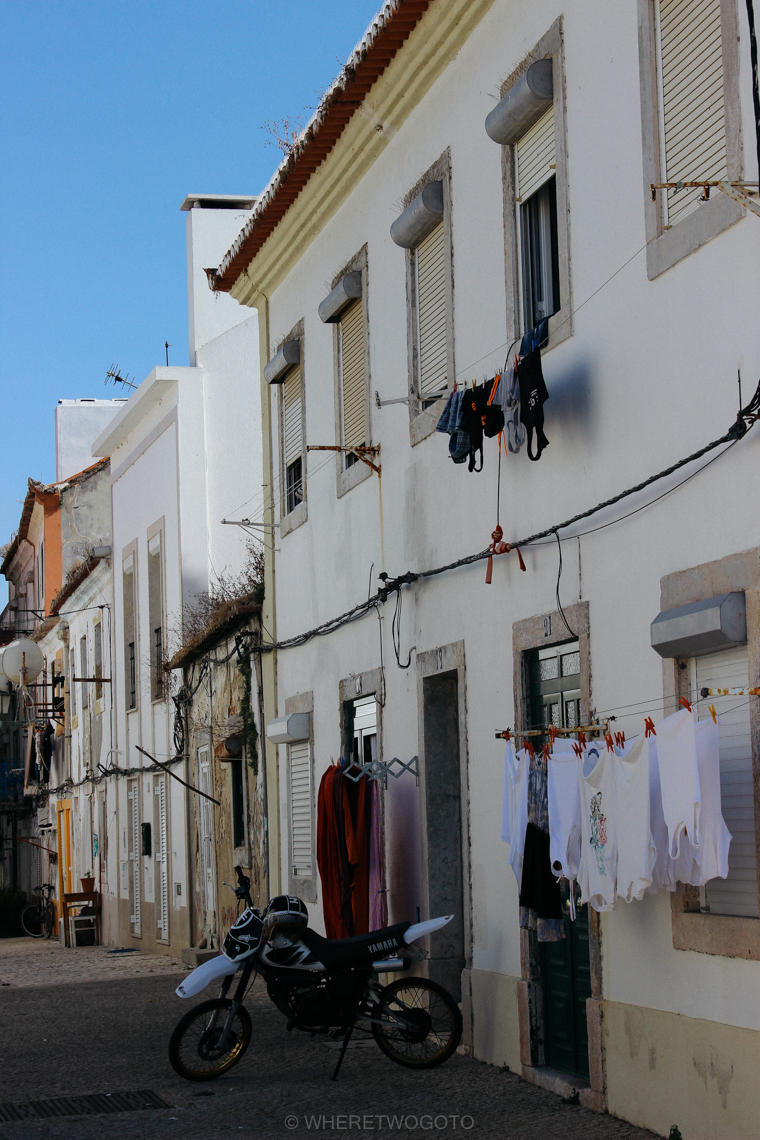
[423, 424]
[725, 935]
[711, 219]
[295, 519]
[355, 474]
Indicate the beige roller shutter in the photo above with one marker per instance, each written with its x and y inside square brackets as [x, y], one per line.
[300, 808]
[291, 415]
[536, 156]
[352, 376]
[432, 313]
[736, 894]
[691, 93]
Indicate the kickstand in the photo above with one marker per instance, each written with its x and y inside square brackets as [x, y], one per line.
[346, 1039]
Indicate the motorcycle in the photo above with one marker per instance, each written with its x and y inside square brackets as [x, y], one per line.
[327, 987]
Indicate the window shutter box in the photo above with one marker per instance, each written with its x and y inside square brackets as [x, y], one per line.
[420, 217]
[702, 627]
[348, 289]
[523, 105]
[289, 354]
[289, 729]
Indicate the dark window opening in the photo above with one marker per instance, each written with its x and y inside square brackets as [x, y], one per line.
[295, 484]
[158, 664]
[98, 650]
[555, 686]
[540, 255]
[83, 668]
[132, 676]
[238, 808]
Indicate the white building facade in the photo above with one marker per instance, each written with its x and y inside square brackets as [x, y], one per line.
[652, 303]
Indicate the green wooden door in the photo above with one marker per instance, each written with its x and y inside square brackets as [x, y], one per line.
[566, 975]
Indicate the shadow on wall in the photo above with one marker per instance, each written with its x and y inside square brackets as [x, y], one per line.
[570, 407]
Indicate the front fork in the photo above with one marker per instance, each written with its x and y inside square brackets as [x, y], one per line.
[237, 1001]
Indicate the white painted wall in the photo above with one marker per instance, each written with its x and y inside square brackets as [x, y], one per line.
[77, 424]
[648, 376]
[210, 233]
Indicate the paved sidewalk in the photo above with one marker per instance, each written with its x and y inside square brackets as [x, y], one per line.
[39, 962]
[110, 1035]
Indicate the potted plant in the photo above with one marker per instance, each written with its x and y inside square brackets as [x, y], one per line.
[88, 883]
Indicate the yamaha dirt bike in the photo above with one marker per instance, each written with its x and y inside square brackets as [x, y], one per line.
[326, 987]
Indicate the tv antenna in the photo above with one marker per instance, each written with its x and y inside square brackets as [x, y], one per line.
[114, 377]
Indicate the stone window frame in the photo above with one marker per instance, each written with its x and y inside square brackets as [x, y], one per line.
[666, 247]
[297, 517]
[346, 478]
[730, 936]
[422, 421]
[527, 635]
[551, 45]
[303, 886]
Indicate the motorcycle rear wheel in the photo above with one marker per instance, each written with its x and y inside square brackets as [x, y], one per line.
[431, 1027]
[193, 1050]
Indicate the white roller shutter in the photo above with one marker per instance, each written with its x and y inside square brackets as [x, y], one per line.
[291, 415]
[352, 376]
[736, 894]
[300, 809]
[161, 860]
[536, 156]
[134, 855]
[430, 259]
[691, 93]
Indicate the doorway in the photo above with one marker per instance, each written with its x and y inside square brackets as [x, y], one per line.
[442, 827]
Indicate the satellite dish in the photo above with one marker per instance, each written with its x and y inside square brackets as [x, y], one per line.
[22, 657]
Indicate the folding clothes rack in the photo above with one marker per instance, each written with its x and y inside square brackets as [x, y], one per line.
[602, 727]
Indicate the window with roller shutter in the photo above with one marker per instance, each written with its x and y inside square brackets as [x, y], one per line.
[432, 315]
[291, 407]
[691, 100]
[353, 383]
[535, 165]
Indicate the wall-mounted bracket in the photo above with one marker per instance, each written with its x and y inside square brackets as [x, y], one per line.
[359, 452]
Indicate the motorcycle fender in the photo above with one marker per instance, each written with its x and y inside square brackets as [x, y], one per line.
[420, 929]
[204, 975]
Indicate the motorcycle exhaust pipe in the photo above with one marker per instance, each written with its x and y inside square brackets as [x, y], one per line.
[388, 964]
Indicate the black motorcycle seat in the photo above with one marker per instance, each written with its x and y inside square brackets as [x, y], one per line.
[362, 949]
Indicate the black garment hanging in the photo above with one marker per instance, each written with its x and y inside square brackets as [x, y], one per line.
[533, 396]
[539, 890]
[474, 402]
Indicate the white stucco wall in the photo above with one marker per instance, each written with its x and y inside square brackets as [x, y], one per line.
[648, 376]
[77, 424]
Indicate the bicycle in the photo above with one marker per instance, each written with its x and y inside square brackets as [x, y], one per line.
[38, 917]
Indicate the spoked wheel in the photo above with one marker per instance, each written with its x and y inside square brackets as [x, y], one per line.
[420, 1024]
[35, 921]
[194, 1047]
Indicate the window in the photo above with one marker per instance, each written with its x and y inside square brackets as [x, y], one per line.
[737, 894]
[130, 630]
[83, 670]
[97, 641]
[432, 316]
[72, 686]
[364, 717]
[301, 838]
[352, 375]
[155, 617]
[555, 686]
[292, 438]
[691, 102]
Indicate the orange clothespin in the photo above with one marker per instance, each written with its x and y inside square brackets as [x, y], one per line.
[683, 701]
[530, 749]
[582, 739]
[609, 742]
[507, 735]
[577, 749]
[620, 739]
[552, 733]
[546, 750]
[713, 714]
[649, 729]
[496, 547]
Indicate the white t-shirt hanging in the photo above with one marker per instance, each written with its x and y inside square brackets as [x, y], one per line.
[564, 810]
[636, 851]
[679, 779]
[596, 782]
[697, 865]
[663, 872]
[515, 801]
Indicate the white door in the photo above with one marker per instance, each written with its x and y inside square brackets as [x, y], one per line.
[736, 894]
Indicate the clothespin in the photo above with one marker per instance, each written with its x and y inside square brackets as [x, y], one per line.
[620, 739]
[530, 749]
[577, 749]
[546, 750]
[683, 701]
[713, 714]
[609, 742]
[649, 729]
[582, 739]
[552, 733]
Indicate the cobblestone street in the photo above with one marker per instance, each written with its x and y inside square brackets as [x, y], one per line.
[84, 1022]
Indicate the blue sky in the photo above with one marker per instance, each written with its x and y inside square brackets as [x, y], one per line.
[109, 114]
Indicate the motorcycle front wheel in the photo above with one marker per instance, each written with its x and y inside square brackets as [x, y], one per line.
[194, 1050]
[419, 1025]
